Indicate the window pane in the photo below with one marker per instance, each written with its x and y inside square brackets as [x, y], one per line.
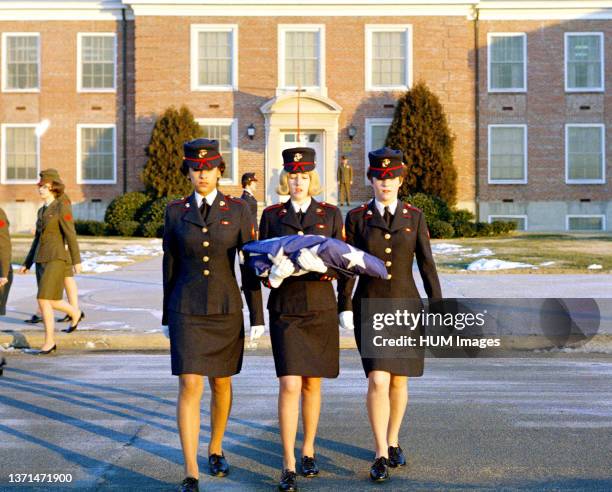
[585, 159]
[97, 62]
[583, 62]
[222, 133]
[21, 154]
[301, 59]
[215, 58]
[507, 154]
[97, 154]
[378, 135]
[585, 224]
[389, 58]
[22, 62]
[507, 64]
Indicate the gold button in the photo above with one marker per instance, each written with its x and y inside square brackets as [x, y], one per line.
[205, 259]
[206, 273]
[204, 229]
[387, 236]
[206, 244]
[387, 250]
[300, 233]
[389, 277]
[388, 263]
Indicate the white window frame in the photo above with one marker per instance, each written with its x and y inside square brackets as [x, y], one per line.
[80, 37]
[79, 164]
[3, 148]
[233, 124]
[602, 60]
[6, 35]
[525, 163]
[284, 28]
[490, 37]
[195, 30]
[492, 218]
[369, 30]
[587, 216]
[602, 128]
[369, 123]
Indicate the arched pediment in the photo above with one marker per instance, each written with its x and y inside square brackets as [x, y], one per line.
[309, 104]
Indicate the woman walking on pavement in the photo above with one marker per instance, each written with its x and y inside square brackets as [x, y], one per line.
[6, 270]
[202, 304]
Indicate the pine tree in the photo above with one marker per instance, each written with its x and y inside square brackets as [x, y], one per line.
[162, 172]
[421, 131]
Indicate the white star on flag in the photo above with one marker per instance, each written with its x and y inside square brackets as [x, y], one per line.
[355, 257]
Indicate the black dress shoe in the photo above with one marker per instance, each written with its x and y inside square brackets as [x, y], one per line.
[190, 484]
[71, 328]
[379, 472]
[288, 481]
[65, 319]
[33, 320]
[39, 352]
[218, 466]
[309, 467]
[396, 457]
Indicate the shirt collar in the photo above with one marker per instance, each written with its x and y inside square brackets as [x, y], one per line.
[210, 198]
[303, 207]
[247, 191]
[381, 208]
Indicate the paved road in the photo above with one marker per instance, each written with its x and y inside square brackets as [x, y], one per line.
[533, 423]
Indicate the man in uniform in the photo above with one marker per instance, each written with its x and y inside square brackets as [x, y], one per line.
[6, 271]
[345, 180]
[249, 185]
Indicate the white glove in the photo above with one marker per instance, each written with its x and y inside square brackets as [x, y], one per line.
[166, 331]
[256, 332]
[310, 261]
[280, 270]
[346, 320]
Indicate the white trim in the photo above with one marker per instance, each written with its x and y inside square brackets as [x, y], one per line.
[491, 218]
[282, 29]
[369, 123]
[195, 30]
[80, 36]
[588, 216]
[233, 124]
[543, 9]
[6, 35]
[492, 35]
[506, 181]
[602, 74]
[33, 10]
[3, 149]
[79, 164]
[372, 28]
[602, 127]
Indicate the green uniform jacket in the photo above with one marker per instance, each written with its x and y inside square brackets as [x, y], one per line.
[345, 174]
[54, 231]
[5, 245]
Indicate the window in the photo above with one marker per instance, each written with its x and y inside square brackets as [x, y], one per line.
[96, 154]
[20, 154]
[376, 130]
[96, 53]
[214, 57]
[519, 220]
[507, 68]
[225, 130]
[584, 154]
[507, 154]
[21, 62]
[301, 57]
[388, 57]
[585, 222]
[584, 62]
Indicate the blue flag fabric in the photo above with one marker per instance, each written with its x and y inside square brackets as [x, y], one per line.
[333, 252]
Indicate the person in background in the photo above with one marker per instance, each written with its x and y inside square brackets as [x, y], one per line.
[6, 270]
[345, 180]
[249, 185]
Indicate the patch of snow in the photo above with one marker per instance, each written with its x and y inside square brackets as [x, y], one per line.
[94, 267]
[482, 252]
[547, 263]
[495, 264]
[448, 249]
[594, 266]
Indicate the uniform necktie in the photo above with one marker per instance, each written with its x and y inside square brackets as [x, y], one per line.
[388, 216]
[204, 208]
[300, 216]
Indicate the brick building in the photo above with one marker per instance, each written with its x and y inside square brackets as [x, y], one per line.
[522, 82]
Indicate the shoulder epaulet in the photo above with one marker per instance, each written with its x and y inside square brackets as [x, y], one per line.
[272, 207]
[178, 202]
[328, 205]
[359, 209]
[412, 207]
[234, 199]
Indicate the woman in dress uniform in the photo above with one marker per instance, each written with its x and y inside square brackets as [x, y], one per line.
[202, 304]
[394, 232]
[303, 309]
[6, 271]
[54, 250]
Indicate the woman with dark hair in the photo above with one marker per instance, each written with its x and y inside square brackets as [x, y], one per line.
[54, 232]
[395, 232]
[303, 310]
[202, 304]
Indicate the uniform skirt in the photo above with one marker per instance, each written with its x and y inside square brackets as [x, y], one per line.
[306, 344]
[210, 345]
[50, 279]
[4, 292]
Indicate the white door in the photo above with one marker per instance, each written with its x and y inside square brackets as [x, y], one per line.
[308, 138]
